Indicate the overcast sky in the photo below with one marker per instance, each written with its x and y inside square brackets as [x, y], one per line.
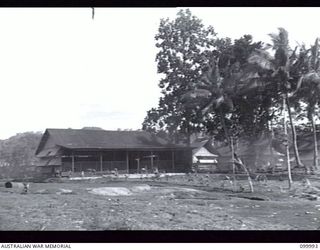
[61, 69]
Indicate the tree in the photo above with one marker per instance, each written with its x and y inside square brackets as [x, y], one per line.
[284, 73]
[19, 150]
[184, 47]
[308, 89]
[220, 86]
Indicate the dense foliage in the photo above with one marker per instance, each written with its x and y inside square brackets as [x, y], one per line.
[233, 89]
[19, 150]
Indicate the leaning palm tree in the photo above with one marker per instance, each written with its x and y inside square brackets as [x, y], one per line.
[216, 93]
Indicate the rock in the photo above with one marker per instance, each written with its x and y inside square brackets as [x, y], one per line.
[111, 191]
[140, 188]
[64, 191]
[42, 191]
[307, 212]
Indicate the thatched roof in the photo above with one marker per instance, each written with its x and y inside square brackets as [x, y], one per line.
[104, 139]
[205, 143]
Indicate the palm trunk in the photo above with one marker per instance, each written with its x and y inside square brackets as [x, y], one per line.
[230, 143]
[287, 143]
[294, 134]
[271, 147]
[225, 130]
[314, 131]
[188, 134]
[188, 139]
[233, 164]
[249, 178]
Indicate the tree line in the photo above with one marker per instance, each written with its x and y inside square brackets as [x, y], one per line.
[19, 150]
[233, 89]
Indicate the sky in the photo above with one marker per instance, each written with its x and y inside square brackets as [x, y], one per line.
[59, 68]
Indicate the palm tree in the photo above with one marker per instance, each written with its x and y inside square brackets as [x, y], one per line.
[218, 93]
[279, 66]
[308, 89]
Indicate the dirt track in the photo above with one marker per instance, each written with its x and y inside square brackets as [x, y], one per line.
[177, 203]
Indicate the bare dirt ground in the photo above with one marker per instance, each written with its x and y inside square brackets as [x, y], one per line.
[197, 202]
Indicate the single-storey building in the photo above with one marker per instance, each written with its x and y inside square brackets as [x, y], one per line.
[203, 156]
[81, 150]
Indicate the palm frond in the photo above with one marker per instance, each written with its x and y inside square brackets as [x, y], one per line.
[284, 37]
[315, 49]
[298, 86]
[315, 55]
[207, 107]
[219, 101]
[261, 60]
[274, 38]
[280, 40]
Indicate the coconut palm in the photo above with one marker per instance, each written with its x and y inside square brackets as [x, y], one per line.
[216, 93]
[211, 93]
[280, 66]
[308, 89]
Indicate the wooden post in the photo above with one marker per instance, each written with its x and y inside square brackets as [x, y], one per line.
[111, 164]
[172, 161]
[138, 165]
[151, 158]
[139, 157]
[127, 159]
[72, 163]
[101, 163]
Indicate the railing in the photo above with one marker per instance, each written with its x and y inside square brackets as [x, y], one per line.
[95, 166]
